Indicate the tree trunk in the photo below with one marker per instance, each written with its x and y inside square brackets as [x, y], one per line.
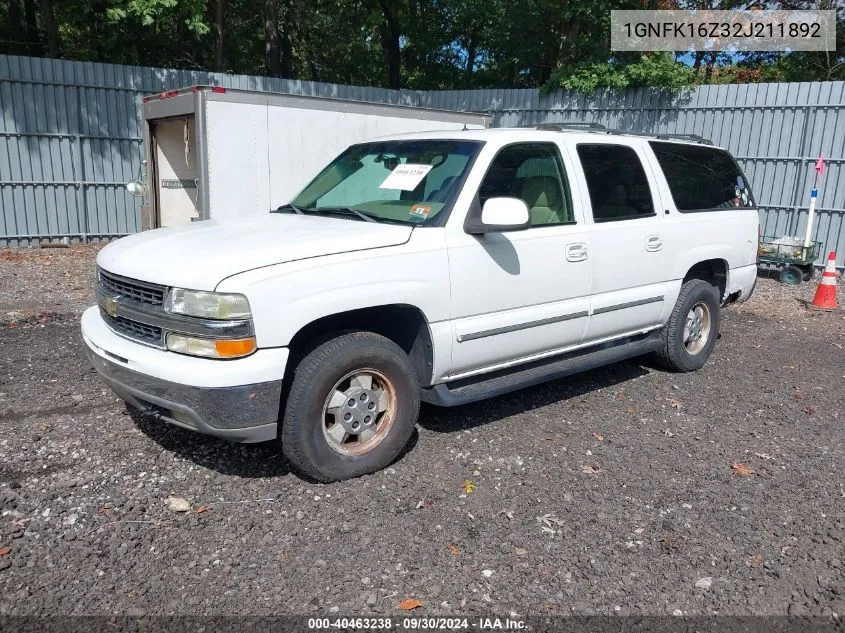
[271, 38]
[472, 53]
[32, 34]
[219, 61]
[14, 26]
[288, 20]
[48, 18]
[699, 56]
[389, 33]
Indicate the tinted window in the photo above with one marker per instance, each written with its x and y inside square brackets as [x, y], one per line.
[532, 172]
[616, 181]
[702, 178]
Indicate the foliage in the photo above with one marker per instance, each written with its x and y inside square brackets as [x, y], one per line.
[419, 44]
[658, 70]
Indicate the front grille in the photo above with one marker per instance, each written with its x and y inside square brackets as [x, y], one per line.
[150, 294]
[133, 329]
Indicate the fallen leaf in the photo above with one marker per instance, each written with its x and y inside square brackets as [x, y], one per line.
[799, 395]
[177, 504]
[409, 604]
[674, 403]
[741, 469]
[202, 509]
[810, 410]
[600, 438]
[757, 559]
[105, 511]
[621, 396]
[453, 549]
[469, 486]
[631, 411]
[5, 550]
[548, 520]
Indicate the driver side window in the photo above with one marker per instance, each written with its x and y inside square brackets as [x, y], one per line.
[534, 173]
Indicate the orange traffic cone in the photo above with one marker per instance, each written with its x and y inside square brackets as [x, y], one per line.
[825, 298]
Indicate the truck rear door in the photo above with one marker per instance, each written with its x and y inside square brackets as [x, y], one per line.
[174, 170]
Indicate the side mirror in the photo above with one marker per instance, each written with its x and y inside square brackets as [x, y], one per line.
[136, 188]
[499, 215]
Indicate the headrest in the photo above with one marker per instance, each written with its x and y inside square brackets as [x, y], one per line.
[541, 191]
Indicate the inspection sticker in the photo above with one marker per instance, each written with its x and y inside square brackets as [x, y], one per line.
[405, 177]
[419, 211]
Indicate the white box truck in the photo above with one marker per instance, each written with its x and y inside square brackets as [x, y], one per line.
[220, 153]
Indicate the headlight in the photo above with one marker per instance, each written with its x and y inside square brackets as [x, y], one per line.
[208, 305]
[210, 348]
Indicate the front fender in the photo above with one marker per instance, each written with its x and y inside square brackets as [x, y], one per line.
[285, 298]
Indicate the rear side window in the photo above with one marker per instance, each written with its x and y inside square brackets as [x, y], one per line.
[616, 181]
[702, 178]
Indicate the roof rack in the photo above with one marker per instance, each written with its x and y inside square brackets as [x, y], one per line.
[685, 137]
[587, 126]
[568, 125]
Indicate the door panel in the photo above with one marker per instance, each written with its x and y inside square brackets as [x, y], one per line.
[523, 293]
[627, 240]
[515, 295]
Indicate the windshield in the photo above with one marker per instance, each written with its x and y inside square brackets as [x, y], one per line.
[408, 181]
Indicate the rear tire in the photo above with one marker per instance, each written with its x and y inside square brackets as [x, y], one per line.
[352, 407]
[691, 331]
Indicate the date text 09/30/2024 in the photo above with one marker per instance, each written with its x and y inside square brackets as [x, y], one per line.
[418, 624]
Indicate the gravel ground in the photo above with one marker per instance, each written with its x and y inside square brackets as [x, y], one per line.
[622, 491]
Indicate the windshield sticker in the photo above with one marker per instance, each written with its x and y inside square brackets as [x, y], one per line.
[405, 177]
[419, 211]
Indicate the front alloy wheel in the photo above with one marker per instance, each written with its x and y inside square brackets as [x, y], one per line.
[359, 412]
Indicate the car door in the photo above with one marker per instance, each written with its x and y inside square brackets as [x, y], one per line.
[519, 295]
[629, 256]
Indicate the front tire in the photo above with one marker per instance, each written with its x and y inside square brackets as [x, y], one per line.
[691, 331]
[351, 409]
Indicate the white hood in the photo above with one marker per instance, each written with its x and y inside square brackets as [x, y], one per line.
[200, 255]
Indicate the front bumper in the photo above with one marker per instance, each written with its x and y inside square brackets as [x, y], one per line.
[239, 413]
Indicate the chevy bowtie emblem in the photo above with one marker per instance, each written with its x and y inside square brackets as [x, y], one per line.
[110, 305]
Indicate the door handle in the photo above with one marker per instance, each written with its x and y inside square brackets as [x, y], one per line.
[653, 243]
[576, 252]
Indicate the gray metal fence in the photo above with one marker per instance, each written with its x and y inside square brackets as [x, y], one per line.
[69, 138]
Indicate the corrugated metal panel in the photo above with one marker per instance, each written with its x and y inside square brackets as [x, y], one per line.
[69, 137]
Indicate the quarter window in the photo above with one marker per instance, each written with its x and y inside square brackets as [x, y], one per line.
[532, 172]
[702, 178]
[616, 181]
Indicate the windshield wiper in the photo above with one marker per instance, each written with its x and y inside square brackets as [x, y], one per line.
[296, 210]
[367, 217]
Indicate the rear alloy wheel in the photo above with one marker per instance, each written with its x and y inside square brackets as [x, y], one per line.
[351, 409]
[691, 331]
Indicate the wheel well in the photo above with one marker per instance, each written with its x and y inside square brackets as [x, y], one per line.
[714, 271]
[405, 325]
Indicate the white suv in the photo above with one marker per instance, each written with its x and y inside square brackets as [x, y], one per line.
[442, 267]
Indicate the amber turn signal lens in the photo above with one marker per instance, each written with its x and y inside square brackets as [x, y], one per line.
[232, 348]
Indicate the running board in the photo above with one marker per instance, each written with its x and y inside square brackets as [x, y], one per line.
[512, 379]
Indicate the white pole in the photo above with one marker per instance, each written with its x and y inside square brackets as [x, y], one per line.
[808, 236]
